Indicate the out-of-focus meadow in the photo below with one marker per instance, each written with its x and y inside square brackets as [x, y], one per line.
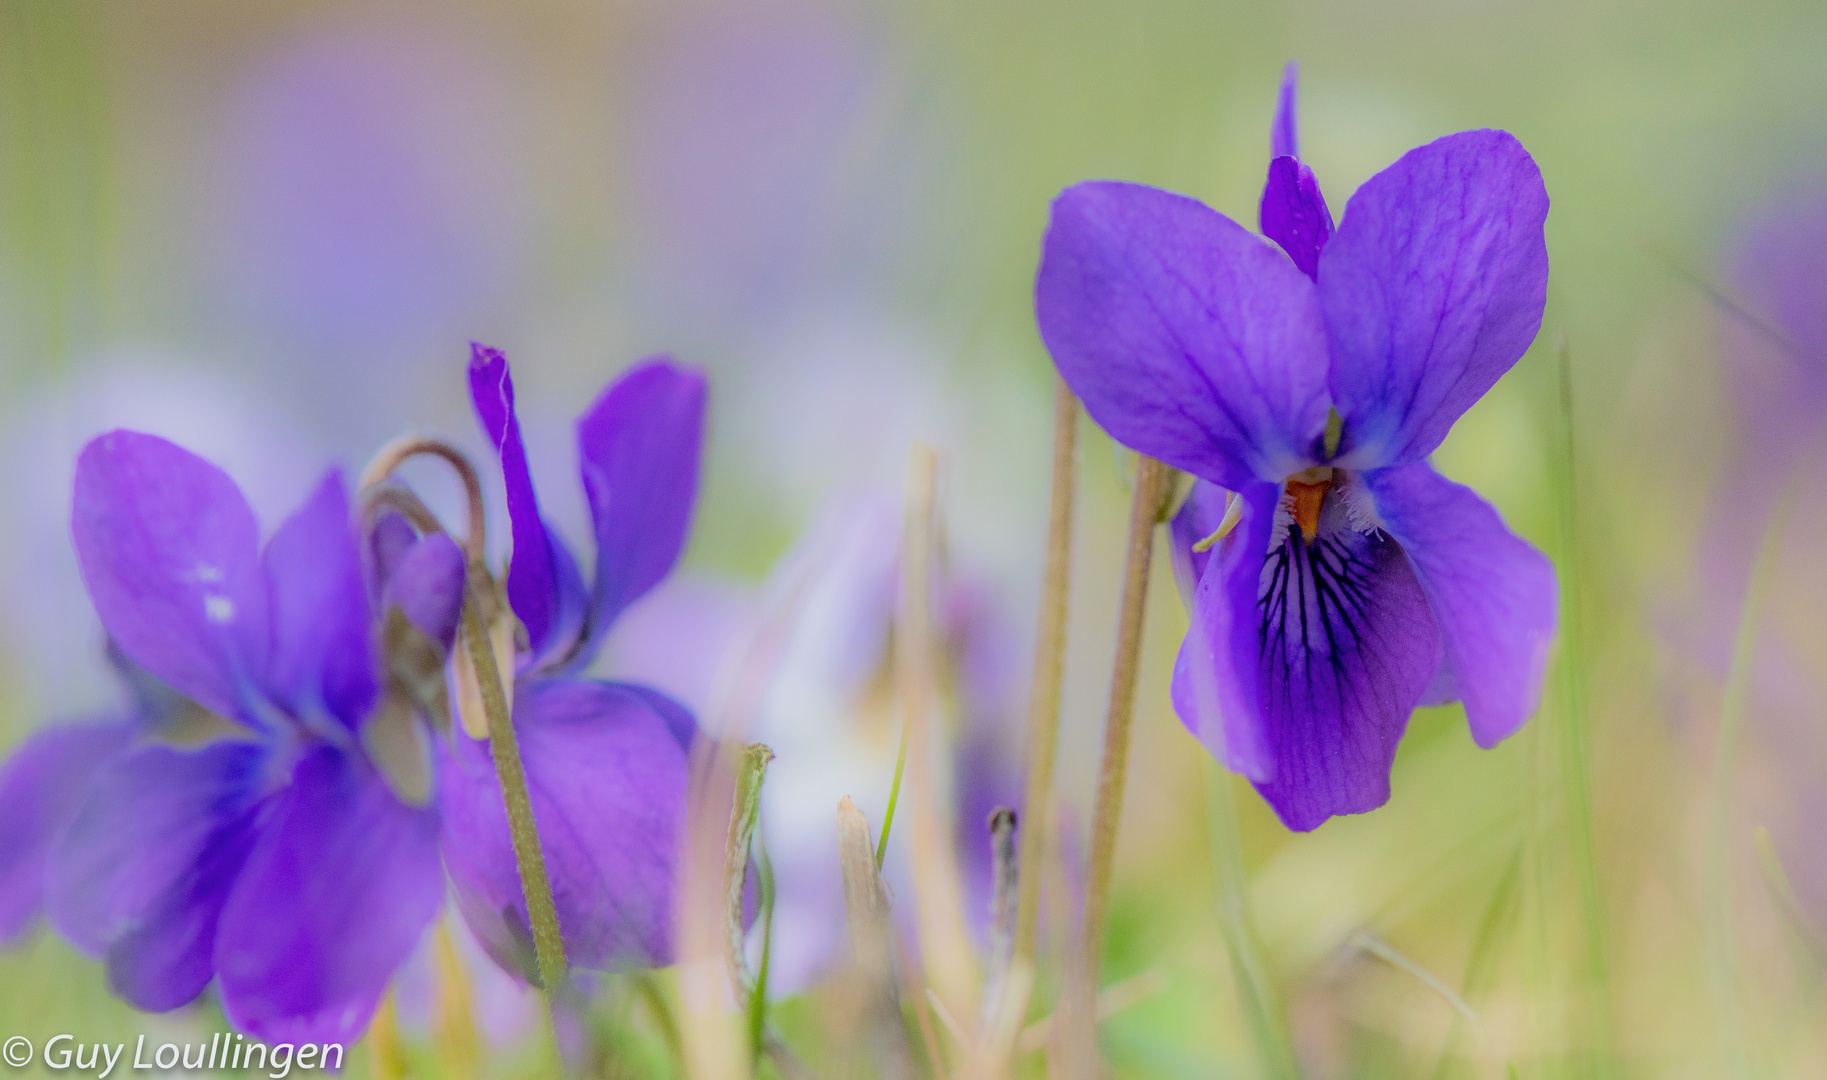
[269, 231]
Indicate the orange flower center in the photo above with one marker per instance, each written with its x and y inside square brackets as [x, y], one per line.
[1306, 495]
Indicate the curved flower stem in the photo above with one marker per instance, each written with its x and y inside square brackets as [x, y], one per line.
[478, 609]
[1076, 1050]
[1049, 675]
[395, 453]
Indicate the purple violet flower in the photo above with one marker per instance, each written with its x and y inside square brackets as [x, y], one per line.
[278, 862]
[605, 762]
[1312, 381]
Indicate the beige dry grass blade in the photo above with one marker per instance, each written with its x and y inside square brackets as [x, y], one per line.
[871, 944]
[945, 949]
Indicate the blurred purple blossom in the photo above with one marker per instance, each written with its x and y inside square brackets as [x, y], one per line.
[46, 622]
[1773, 337]
[279, 863]
[364, 202]
[755, 169]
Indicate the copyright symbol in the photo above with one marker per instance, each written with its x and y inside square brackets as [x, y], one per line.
[17, 1051]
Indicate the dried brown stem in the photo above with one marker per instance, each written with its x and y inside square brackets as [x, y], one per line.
[1049, 674]
[1075, 1051]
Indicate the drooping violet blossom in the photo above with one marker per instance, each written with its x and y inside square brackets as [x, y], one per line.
[1311, 377]
[279, 862]
[605, 761]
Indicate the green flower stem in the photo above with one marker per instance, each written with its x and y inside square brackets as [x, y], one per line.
[548, 945]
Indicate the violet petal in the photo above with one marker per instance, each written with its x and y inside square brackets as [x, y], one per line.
[1494, 597]
[41, 788]
[1187, 337]
[607, 778]
[169, 551]
[531, 588]
[332, 899]
[1214, 687]
[1433, 287]
[1284, 137]
[1294, 213]
[427, 586]
[1342, 643]
[322, 657]
[1197, 519]
[141, 873]
[639, 448]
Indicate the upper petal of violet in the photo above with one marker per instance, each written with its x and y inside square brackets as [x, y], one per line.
[1494, 597]
[1187, 337]
[170, 553]
[1433, 286]
[531, 581]
[1284, 135]
[639, 446]
[1294, 213]
[322, 657]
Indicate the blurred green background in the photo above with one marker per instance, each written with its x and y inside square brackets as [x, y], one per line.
[269, 231]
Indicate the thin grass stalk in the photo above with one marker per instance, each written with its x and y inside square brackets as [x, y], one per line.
[1575, 743]
[712, 1028]
[945, 947]
[871, 945]
[1722, 951]
[1498, 915]
[1075, 1051]
[1261, 1004]
[1049, 676]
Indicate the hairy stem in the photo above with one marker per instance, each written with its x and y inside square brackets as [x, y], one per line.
[548, 945]
[1076, 1050]
[1049, 675]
